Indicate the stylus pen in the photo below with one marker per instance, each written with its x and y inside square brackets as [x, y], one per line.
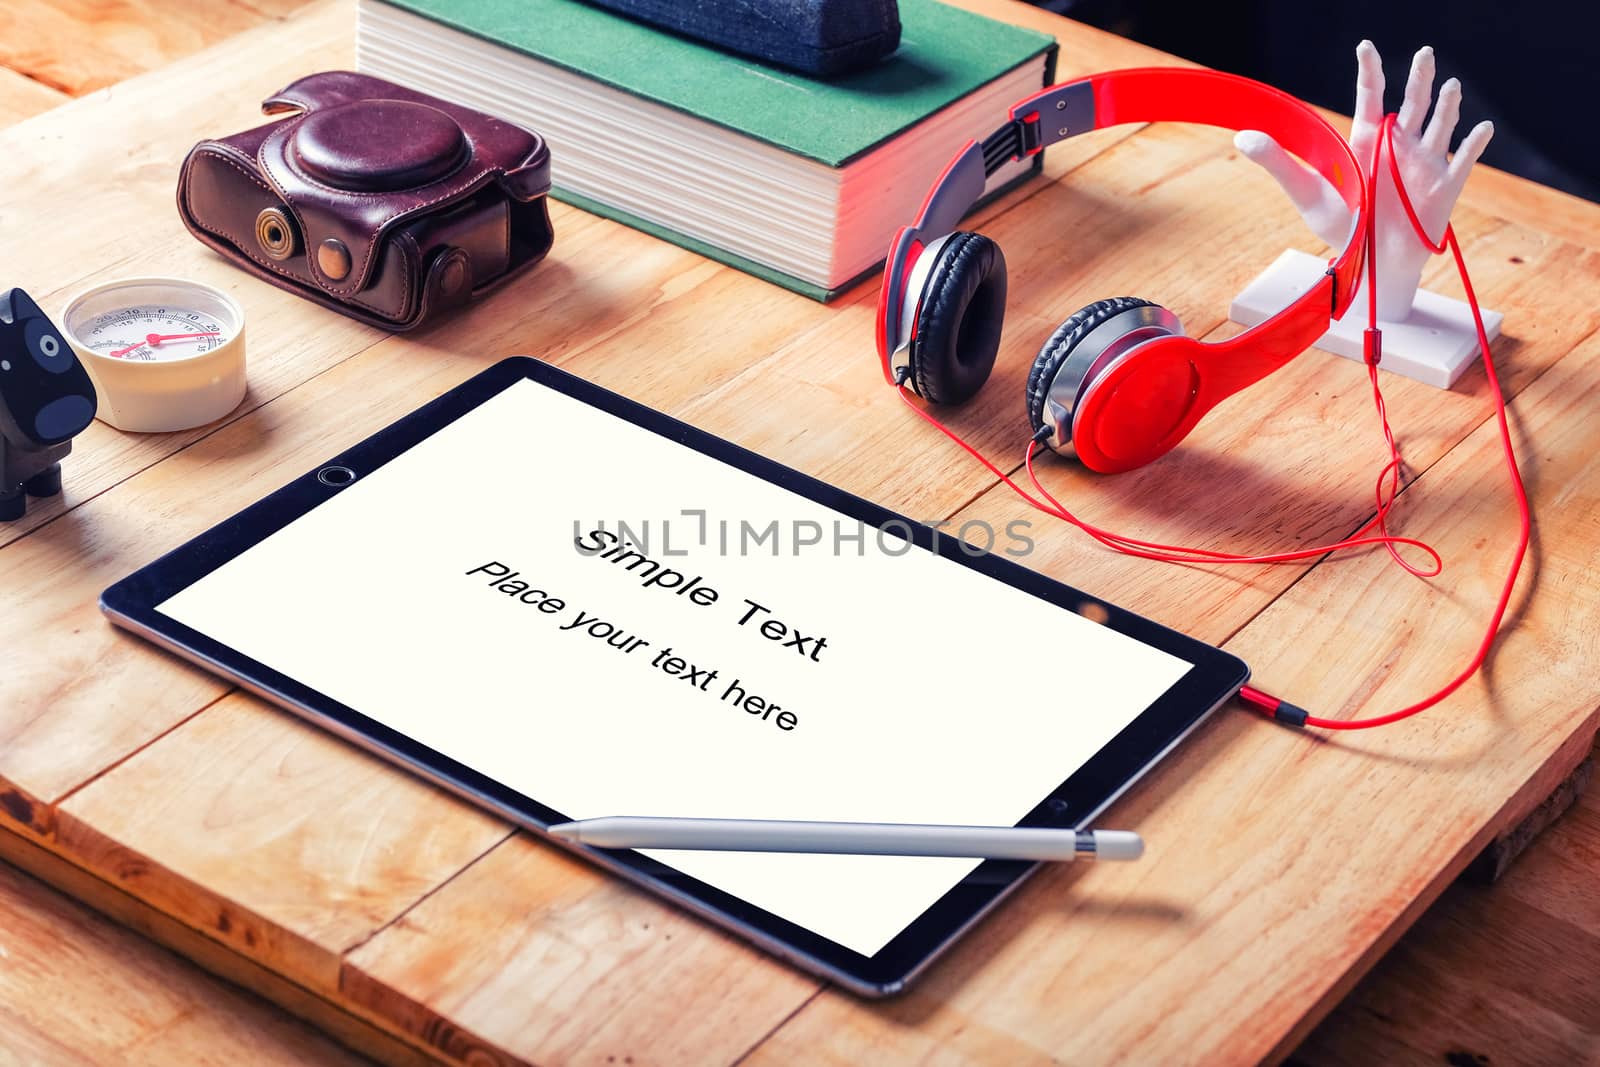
[858, 838]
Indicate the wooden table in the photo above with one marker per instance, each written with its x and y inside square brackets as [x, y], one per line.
[400, 919]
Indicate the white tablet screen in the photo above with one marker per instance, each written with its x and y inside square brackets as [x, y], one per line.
[614, 624]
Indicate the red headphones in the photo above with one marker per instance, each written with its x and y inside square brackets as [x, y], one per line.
[1118, 383]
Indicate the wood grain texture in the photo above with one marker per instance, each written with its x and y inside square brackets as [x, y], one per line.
[258, 864]
[1494, 861]
[567, 966]
[130, 37]
[75, 989]
[1535, 206]
[277, 9]
[21, 97]
[127, 911]
[1500, 975]
[409, 910]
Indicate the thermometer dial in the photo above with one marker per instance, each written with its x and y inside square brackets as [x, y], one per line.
[150, 333]
[164, 353]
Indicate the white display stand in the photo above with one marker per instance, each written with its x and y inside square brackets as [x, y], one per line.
[1426, 336]
[1435, 344]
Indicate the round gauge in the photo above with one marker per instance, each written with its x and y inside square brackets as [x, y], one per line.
[164, 353]
[153, 332]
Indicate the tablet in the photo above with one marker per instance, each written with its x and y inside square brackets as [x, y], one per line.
[563, 605]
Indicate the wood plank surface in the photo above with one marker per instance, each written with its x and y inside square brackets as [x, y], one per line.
[294, 889]
[116, 906]
[1535, 206]
[21, 97]
[567, 967]
[129, 37]
[307, 859]
[1490, 975]
[77, 990]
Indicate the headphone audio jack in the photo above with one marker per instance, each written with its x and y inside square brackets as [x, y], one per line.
[1273, 708]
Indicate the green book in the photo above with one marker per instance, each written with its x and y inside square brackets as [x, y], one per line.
[798, 180]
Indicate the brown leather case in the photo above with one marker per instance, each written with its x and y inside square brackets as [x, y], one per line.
[383, 203]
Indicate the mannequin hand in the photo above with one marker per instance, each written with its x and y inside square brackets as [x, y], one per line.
[1431, 177]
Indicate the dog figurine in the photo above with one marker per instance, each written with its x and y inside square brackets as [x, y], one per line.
[46, 399]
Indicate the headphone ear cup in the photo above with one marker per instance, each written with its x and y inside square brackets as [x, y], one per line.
[959, 313]
[1058, 350]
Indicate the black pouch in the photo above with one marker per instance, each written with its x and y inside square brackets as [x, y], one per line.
[822, 38]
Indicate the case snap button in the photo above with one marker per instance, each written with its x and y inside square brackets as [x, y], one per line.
[334, 259]
[453, 277]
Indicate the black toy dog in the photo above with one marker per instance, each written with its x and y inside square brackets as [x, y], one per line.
[46, 399]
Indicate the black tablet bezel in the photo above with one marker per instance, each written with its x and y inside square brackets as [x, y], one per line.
[1214, 678]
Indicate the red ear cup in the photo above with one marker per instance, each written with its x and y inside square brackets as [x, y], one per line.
[1081, 350]
[1139, 407]
[956, 331]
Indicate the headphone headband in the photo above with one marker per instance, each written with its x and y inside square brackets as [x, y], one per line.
[1147, 94]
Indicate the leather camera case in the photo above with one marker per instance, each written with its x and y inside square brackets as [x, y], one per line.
[383, 203]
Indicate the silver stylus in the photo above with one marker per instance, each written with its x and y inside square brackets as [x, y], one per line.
[859, 838]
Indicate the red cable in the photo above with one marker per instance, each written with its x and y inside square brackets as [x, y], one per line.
[1151, 549]
[1179, 554]
[1518, 490]
[1390, 472]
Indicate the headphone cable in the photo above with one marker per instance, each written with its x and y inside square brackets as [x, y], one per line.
[1271, 705]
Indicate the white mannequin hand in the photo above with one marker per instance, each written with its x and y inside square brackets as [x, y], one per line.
[1431, 177]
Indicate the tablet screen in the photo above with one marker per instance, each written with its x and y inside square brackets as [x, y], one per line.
[613, 623]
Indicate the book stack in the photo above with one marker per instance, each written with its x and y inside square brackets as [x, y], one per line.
[797, 180]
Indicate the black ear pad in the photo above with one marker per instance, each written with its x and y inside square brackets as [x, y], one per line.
[958, 321]
[1054, 352]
